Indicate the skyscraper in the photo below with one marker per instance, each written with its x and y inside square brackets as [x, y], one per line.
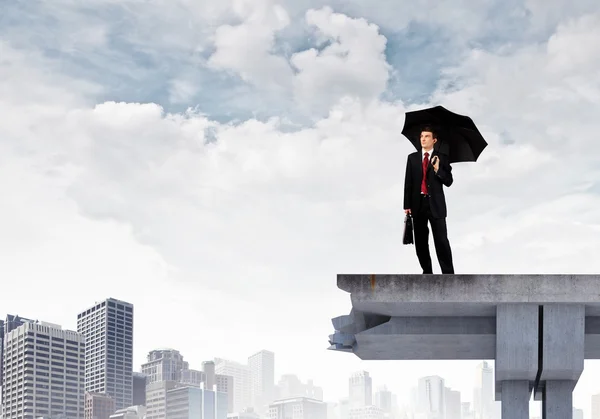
[383, 400]
[483, 393]
[431, 397]
[223, 383]
[360, 390]
[1, 365]
[108, 330]
[262, 366]
[1, 350]
[44, 372]
[11, 323]
[242, 382]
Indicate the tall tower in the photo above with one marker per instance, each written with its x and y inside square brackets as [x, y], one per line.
[483, 392]
[432, 397]
[360, 390]
[1, 365]
[108, 330]
[262, 366]
[383, 399]
[11, 323]
[242, 382]
[44, 372]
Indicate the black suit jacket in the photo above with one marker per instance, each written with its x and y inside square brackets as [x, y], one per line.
[435, 182]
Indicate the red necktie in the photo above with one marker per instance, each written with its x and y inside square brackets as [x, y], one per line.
[424, 181]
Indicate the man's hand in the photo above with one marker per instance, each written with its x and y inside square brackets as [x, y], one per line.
[436, 163]
[407, 211]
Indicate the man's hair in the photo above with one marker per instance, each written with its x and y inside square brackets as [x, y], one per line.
[429, 128]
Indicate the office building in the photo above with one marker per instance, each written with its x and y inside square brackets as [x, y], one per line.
[131, 412]
[11, 323]
[164, 365]
[466, 410]
[108, 330]
[298, 408]
[366, 412]
[139, 389]
[431, 397]
[343, 408]
[1, 354]
[224, 383]
[1, 364]
[290, 386]
[192, 378]
[483, 393]
[156, 398]
[98, 406]
[210, 375]
[383, 400]
[360, 390]
[262, 367]
[43, 371]
[196, 402]
[453, 404]
[242, 382]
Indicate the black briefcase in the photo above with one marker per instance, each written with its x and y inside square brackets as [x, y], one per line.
[408, 230]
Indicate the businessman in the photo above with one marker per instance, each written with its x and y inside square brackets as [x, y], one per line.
[426, 173]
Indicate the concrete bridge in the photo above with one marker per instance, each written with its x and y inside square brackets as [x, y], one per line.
[537, 328]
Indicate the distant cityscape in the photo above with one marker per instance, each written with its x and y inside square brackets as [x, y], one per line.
[51, 373]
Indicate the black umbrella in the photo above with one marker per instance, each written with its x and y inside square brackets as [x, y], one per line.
[458, 137]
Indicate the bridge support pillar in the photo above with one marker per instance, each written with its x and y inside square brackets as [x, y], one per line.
[517, 362]
[562, 332]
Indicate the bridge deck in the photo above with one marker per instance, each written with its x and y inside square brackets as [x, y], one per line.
[450, 316]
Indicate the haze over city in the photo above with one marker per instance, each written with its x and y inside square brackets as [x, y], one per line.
[217, 163]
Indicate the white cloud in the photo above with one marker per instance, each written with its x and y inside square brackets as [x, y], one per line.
[353, 64]
[246, 48]
[132, 198]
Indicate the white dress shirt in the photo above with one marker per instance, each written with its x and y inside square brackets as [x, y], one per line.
[423, 151]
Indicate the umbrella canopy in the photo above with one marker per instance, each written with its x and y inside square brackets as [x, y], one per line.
[458, 137]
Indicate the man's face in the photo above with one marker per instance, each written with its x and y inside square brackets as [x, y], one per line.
[427, 140]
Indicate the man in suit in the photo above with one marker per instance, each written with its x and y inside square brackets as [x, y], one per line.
[426, 173]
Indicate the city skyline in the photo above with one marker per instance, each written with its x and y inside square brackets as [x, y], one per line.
[405, 395]
[218, 163]
[432, 397]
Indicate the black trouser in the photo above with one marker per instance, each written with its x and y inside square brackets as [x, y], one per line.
[440, 239]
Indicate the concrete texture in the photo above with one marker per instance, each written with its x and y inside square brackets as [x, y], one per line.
[517, 348]
[515, 400]
[429, 338]
[466, 295]
[537, 328]
[563, 341]
[557, 402]
[378, 298]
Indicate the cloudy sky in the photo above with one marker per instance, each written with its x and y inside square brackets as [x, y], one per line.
[217, 162]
